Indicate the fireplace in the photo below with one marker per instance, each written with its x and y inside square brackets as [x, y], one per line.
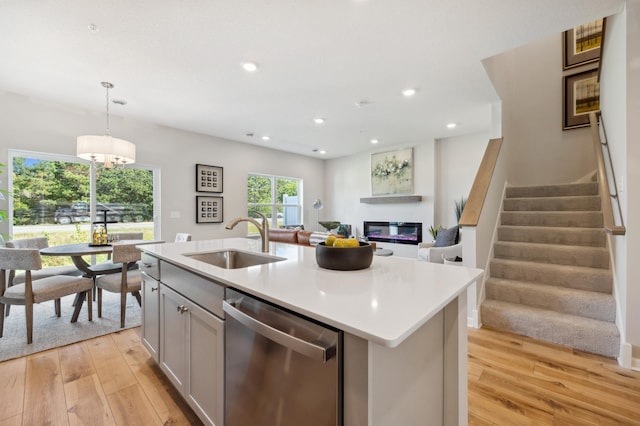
[394, 232]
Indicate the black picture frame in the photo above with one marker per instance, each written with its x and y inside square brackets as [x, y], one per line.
[209, 209]
[582, 45]
[581, 95]
[209, 178]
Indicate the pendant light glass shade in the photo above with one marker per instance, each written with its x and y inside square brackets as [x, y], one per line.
[109, 151]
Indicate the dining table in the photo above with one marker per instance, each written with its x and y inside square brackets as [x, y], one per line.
[78, 252]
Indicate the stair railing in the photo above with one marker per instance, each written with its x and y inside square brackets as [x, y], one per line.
[603, 178]
[478, 193]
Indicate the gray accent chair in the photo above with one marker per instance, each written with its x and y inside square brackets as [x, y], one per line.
[127, 281]
[37, 291]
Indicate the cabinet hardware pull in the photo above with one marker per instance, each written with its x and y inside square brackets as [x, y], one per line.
[182, 309]
[154, 289]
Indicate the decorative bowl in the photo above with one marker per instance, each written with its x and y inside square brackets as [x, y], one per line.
[344, 258]
[330, 224]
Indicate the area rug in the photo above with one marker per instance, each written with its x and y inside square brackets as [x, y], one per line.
[50, 331]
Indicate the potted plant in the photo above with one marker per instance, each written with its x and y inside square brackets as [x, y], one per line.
[460, 207]
[434, 231]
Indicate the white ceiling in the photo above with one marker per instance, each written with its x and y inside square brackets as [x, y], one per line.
[177, 63]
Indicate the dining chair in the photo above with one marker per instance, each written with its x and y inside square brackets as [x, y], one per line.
[37, 291]
[121, 236]
[49, 271]
[127, 281]
[182, 237]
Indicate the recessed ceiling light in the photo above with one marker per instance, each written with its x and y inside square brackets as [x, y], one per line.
[451, 125]
[375, 141]
[250, 66]
[318, 120]
[265, 138]
[408, 92]
[322, 151]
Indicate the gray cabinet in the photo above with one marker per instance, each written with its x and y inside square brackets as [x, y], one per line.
[151, 315]
[192, 353]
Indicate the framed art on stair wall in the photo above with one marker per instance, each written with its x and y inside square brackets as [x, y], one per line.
[581, 95]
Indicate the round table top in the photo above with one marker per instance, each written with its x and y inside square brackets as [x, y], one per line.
[382, 252]
[84, 249]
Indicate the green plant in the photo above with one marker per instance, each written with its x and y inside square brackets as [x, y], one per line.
[434, 231]
[3, 198]
[460, 207]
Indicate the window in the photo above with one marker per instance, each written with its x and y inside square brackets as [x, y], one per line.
[276, 197]
[52, 196]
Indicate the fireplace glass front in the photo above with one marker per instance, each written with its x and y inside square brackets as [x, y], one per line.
[394, 232]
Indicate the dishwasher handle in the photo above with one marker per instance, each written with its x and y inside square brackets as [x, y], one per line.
[310, 349]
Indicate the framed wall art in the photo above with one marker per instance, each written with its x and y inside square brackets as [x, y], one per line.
[392, 172]
[581, 95]
[208, 209]
[581, 45]
[208, 178]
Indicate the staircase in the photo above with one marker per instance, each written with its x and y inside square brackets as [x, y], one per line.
[550, 277]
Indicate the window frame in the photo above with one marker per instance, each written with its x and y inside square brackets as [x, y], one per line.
[275, 205]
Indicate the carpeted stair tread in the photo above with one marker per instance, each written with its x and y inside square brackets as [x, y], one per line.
[594, 257]
[589, 304]
[586, 188]
[592, 237]
[599, 337]
[579, 203]
[578, 277]
[578, 219]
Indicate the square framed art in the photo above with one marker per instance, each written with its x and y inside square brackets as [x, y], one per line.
[581, 45]
[208, 178]
[581, 95]
[209, 209]
[392, 172]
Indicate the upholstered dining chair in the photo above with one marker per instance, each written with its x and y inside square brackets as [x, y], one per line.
[127, 281]
[38, 243]
[37, 291]
[182, 237]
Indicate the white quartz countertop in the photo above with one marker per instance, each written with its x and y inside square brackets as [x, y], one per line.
[384, 303]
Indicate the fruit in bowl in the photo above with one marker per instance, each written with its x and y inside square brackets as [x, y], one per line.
[346, 254]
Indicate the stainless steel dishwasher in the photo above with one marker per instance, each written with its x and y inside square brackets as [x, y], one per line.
[280, 368]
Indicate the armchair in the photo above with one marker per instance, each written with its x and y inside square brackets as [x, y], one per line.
[447, 244]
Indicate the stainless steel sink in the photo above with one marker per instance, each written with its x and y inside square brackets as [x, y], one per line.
[233, 259]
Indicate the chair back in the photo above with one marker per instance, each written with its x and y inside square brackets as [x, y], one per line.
[126, 253]
[26, 259]
[182, 237]
[31, 243]
[127, 235]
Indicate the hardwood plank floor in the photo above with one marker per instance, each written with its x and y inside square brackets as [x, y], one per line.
[513, 380]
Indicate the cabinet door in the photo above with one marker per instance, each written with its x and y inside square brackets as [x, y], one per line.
[205, 352]
[173, 337]
[151, 315]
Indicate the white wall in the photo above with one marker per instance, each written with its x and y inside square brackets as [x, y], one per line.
[620, 102]
[457, 162]
[348, 179]
[528, 80]
[34, 125]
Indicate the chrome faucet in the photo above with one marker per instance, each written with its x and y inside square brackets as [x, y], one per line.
[263, 229]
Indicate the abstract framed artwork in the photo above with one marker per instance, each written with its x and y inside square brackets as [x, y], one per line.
[208, 178]
[392, 172]
[209, 209]
[581, 45]
[581, 95]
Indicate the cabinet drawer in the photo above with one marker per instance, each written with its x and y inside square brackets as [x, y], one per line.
[208, 294]
[150, 266]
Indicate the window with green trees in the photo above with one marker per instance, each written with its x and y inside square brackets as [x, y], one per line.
[278, 198]
[51, 196]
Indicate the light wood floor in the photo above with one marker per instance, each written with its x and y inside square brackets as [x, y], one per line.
[512, 381]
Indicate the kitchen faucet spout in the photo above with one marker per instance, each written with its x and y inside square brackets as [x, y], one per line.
[262, 229]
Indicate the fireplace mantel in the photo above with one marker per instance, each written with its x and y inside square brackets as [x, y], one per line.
[381, 199]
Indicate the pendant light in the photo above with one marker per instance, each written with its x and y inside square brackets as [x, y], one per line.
[109, 151]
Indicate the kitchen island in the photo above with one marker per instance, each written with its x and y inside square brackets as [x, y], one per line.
[404, 323]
